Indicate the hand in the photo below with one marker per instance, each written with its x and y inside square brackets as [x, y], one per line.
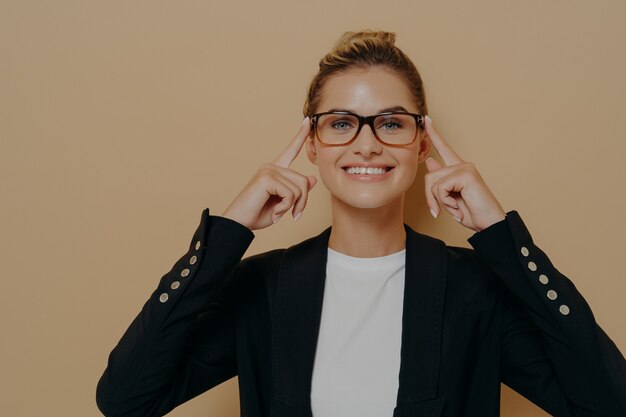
[459, 187]
[274, 189]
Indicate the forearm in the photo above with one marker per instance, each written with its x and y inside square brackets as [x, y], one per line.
[147, 356]
[587, 365]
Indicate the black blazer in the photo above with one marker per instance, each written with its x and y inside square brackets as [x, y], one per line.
[472, 318]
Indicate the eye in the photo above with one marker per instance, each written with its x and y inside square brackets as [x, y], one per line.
[390, 125]
[341, 124]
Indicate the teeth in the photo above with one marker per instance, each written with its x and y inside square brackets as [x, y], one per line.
[363, 170]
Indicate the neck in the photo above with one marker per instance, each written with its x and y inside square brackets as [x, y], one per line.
[367, 232]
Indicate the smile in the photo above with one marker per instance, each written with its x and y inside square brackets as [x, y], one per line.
[364, 170]
[368, 175]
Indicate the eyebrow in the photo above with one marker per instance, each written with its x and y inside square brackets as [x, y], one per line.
[394, 108]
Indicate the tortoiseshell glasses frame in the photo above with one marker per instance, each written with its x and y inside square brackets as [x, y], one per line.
[368, 120]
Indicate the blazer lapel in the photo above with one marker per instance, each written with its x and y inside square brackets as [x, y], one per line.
[297, 314]
[422, 326]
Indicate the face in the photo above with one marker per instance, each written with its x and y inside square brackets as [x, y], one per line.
[366, 92]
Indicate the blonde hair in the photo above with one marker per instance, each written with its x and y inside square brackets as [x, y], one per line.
[367, 48]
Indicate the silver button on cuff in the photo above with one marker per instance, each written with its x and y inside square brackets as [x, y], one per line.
[163, 298]
[543, 279]
[551, 294]
[532, 266]
[193, 259]
[184, 272]
[197, 245]
[175, 285]
[564, 310]
[524, 251]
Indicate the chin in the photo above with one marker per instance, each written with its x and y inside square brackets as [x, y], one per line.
[349, 194]
[368, 201]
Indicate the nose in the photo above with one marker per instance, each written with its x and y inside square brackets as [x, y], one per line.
[366, 143]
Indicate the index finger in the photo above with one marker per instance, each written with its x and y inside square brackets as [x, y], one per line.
[292, 150]
[445, 151]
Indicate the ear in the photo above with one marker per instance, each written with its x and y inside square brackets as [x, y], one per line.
[424, 146]
[311, 151]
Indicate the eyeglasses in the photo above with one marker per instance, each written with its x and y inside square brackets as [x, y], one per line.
[340, 128]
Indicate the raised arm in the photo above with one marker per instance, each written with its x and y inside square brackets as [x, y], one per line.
[182, 341]
[553, 351]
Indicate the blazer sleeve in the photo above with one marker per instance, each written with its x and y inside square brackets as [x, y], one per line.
[182, 341]
[553, 351]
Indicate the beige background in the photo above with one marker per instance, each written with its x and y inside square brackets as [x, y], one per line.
[121, 121]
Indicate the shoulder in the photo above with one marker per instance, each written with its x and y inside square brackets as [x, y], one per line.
[261, 262]
[465, 271]
[465, 261]
[264, 269]
[268, 264]
[467, 277]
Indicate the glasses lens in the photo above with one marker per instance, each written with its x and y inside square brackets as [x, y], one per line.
[394, 129]
[336, 129]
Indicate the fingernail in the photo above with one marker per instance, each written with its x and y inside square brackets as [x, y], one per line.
[297, 216]
[458, 220]
[306, 119]
[277, 219]
[429, 119]
[432, 211]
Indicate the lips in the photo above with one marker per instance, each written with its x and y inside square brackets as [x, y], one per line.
[387, 168]
[369, 178]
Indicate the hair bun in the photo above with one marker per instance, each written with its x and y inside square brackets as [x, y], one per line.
[363, 49]
[349, 39]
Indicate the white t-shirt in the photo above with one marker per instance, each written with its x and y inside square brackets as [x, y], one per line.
[357, 360]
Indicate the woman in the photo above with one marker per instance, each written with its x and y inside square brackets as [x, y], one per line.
[368, 318]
